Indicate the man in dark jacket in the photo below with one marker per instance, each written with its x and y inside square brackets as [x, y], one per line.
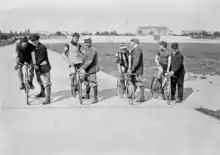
[177, 70]
[136, 67]
[90, 68]
[42, 68]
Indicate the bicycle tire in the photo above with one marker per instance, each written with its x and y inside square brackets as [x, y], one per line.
[26, 86]
[119, 89]
[130, 93]
[80, 88]
[154, 83]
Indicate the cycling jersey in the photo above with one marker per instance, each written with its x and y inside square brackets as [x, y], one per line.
[122, 58]
[163, 56]
[24, 53]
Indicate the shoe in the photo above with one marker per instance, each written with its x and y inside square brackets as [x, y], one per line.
[22, 86]
[87, 96]
[42, 93]
[47, 101]
[141, 100]
[31, 85]
[178, 101]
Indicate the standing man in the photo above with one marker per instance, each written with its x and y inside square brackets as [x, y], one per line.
[177, 70]
[42, 68]
[90, 67]
[23, 54]
[136, 67]
[73, 56]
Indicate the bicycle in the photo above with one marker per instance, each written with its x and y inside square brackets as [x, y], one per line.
[162, 87]
[79, 78]
[128, 91]
[26, 80]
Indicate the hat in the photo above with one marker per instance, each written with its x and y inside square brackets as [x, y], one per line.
[123, 46]
[24, 39]
[135, 40]
[174, 46]
[34, 37]
[76, 34]
[88, 40]
[164, 43]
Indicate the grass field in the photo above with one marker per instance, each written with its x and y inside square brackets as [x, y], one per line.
[199, 58]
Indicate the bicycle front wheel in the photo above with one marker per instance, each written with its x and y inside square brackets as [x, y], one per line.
[120, 88]
[130, 93]
[167, 93]
[155, 87]
[80, 89]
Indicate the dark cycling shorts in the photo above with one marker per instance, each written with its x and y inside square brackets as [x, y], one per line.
[164, 66]
[77, 66]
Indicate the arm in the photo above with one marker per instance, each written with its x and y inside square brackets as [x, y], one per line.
[136, 61]
[64, 54]
[169, 63]
[17, 54]
[178, 64]
[90, 59]
[157, 60]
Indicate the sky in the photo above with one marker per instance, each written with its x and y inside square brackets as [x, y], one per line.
[93, 15]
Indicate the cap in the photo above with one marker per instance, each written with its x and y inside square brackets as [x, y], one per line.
[24, 39]
[135, 40]
[88, 40]
[123, 46]
[164, 43]
[174, 46]
[76, 34]
[34, 37]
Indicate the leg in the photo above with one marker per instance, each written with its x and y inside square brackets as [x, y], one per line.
[180, 85]
[88, 88]
[31, 77]
[47, 85]
[139, 83]
[21, 76]
[42, 92]
[93, 83]
[173, 83]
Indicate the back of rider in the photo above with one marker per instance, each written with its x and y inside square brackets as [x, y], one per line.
[24, 54]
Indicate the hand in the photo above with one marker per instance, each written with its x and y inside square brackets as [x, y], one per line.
[36, 67]
[129, 71]
[16, 67]
[82, 71]
[170, 73]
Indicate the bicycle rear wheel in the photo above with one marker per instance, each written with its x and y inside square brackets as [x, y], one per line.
[156, 87]
[119, 88]
[26, 88]
[130, 93]
[80, 89]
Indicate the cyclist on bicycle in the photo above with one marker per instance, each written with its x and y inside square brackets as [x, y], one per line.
[163, 59]
[73, 56]
[122, 62]
[23, 54]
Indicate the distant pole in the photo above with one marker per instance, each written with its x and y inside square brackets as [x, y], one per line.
[126, 24]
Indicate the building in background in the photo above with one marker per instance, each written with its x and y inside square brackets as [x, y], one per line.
[153, 31]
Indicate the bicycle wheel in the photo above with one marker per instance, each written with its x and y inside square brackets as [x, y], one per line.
[155, 87]
[119, 88]
[130, 93]
[79, 88]
[167, 92]
[26, 87]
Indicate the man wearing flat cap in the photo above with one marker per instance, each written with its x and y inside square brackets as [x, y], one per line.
[23, 54]
[42, 68]
[90, 67]
[137, 67]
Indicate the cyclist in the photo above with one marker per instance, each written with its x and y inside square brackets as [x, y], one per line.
[23, 54]
[73, 56]
[122, 58]
[163, 60]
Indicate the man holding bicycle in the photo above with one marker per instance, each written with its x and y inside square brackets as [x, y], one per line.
[177, 70]
[73, 56]
[42, 68]
[90, 68]
[122, 62]
[23, 54]
[163, 59]
[136, 67]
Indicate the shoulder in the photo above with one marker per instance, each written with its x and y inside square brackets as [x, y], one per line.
[18, 45]
[169, 52]
[42, 47]
[31, 46]
[67, 45]
[180, 54]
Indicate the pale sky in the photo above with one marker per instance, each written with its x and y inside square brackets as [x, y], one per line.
[122, 9]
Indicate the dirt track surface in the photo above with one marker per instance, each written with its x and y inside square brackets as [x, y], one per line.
[109, 127]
